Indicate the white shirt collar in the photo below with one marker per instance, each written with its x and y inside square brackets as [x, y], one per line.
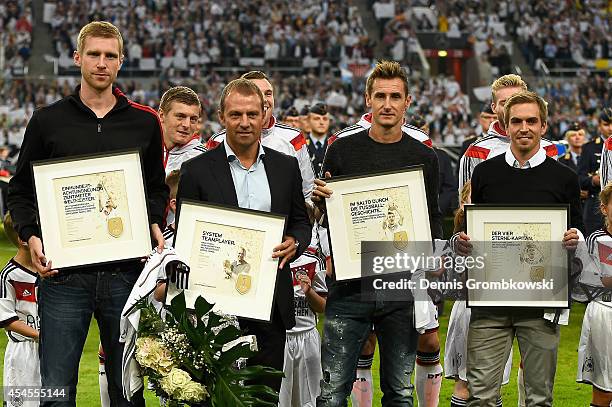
[534, 161]
[231, 156]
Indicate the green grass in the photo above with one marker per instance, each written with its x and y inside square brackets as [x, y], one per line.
[567, 391]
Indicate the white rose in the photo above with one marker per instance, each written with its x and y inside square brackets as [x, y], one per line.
[193, 392]
[174, 381]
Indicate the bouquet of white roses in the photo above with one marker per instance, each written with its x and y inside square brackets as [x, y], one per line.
[184, 356]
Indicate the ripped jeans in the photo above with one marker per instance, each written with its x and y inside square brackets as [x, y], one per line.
[348, 322]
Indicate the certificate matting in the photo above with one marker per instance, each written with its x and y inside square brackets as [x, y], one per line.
[229, 252]
[385, 206]
[92, 209]
[522, 243]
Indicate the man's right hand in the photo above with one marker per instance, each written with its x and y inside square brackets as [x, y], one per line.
[42, 266]
[595, 180]
[463, 247]
[321, 192]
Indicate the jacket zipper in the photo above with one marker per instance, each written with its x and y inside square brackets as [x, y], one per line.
[99, 127]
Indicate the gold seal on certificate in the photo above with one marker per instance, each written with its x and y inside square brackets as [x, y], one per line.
[115, 226]
[537, 273]
[243, 283]
[400, 240]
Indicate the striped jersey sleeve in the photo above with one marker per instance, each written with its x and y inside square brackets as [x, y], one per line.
[473, 156]
[8, 311]
[605, 164]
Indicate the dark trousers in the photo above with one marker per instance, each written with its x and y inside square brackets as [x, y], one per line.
[348, 323]
[591, 216]
[66, 305]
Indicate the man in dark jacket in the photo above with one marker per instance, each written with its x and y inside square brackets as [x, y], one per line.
[574, 135]
[96, 119]
[588, 172]
[319, 134]
[241, 172]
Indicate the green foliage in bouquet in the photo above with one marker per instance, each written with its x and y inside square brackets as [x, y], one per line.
[185, 358]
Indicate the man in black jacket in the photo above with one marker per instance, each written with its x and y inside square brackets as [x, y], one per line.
[588, 172]
[96, 119]
[524, 175]
[241, 172]
[319, 134]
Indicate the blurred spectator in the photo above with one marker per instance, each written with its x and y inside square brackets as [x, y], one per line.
[562, 33]
[16, 25]
[291, 117]
[384, 11]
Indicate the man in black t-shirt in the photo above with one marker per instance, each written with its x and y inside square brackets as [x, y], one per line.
[523, 175]
[348, 318]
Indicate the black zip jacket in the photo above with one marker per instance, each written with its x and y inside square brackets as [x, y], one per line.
[69, 128]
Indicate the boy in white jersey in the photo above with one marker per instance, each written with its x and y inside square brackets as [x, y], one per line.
[595, 348]
[302, 365]
[19, 318]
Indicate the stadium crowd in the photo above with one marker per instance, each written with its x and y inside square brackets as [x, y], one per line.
[563, 34]
[187, 34]
[439, 100]
[16, 34]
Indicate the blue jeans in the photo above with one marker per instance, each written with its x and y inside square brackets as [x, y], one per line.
[66, 304]
[348, 322]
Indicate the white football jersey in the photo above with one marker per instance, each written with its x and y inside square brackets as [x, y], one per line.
[310, 264]
[179, 154]
[18, 298]
[596, 259]
[496, 142]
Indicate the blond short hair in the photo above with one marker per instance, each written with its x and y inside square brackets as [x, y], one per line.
[101, 29]
[507, 81]
[525, 97]
[242, 86]
[605, 194]
[387, 70]
[180, 94]
[570, 133]
[9, 230]
[604, 197]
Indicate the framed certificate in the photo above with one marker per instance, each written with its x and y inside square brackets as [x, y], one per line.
[92, 209]
[385, 206]
[518, 258]
[229, 253]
